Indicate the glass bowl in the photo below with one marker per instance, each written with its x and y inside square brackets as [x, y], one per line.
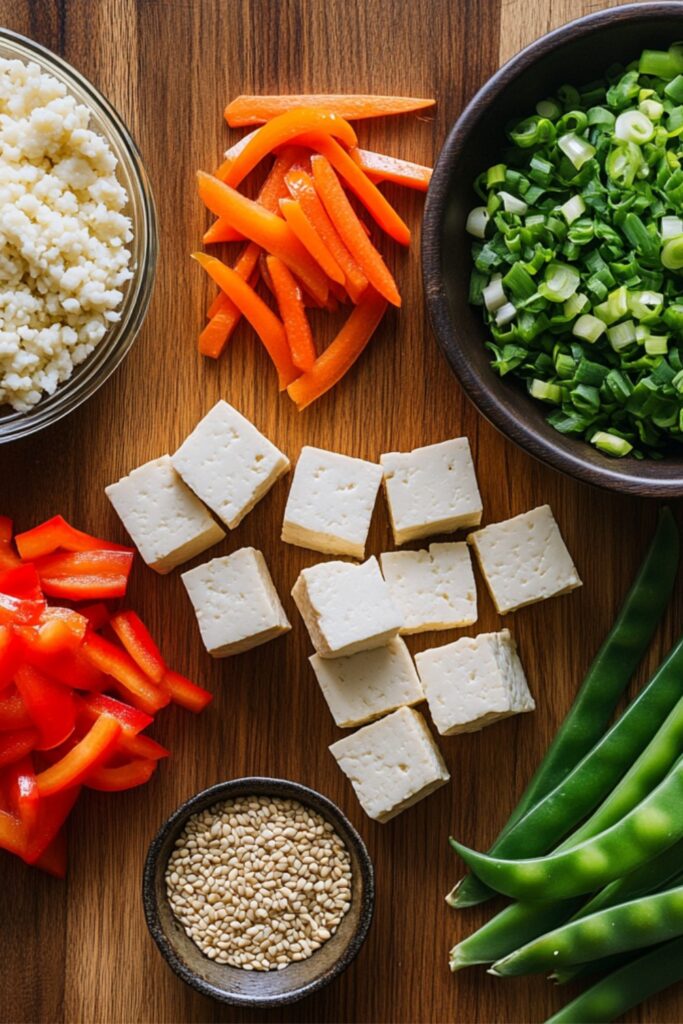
[116, 343]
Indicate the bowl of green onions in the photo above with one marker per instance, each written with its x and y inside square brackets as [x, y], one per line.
[553, 249]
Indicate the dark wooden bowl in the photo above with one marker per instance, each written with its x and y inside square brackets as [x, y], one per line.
[252, 988]
[575, 54]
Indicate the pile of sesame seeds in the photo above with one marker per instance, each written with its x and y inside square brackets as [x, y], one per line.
[259, 882]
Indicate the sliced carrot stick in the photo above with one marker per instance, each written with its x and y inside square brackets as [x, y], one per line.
[303, 229]
[342, 353]
[217, 304]
[291, 305]
[284, 129]
[262, 319]
[349, 227]
[357, 180]
[301, 187]
[264, 228]
[381, 167]
[232, 153]
[245, 110]
[225, 319]
[273, 188]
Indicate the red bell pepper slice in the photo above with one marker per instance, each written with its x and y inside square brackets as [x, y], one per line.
[55, 534]
[97, 614]
[71, 670]
[50, 705]
[21, 599]
[15, 745]
[137, 640]
[185, 693]
[53, 859]
[60, 631]
[124, 776]
[9, 656]
[23, 793]
[13, 713]
[8, 556]
[12, 834]
[85, 575]
[142, 747]
[131, 720]
[54, 810]
[136, 687]
[87, 754]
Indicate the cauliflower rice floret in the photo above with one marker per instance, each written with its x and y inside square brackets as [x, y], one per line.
[64, 240]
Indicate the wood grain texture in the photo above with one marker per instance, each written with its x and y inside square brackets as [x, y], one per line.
[79, 952]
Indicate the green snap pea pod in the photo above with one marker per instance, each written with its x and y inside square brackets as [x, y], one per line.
[605, 681]
[653, 825]
[612, 996]
[633, 925]
[662, 870]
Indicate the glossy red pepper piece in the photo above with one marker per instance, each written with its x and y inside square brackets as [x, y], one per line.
[131, 720]
[54, 810]
[56, 534]
[97, 614]
[71, 769]
[13, 713]
[53, 859]
[60, 631]
[133, 683]
[138, 642]
[85, 575]
[12, 834]
[8, 556]
[186, 693]
[141, 746]
[50, 705]
[15, 745]
[9, 655]
[124, 776]
[22, 790]
[21, 598]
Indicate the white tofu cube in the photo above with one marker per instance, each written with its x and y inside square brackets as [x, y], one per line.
[431, 490]
[391, 763]
[473, 682]
[369, 684]
[167, 523]
[330, 502]
[346, 607]
[433, 589]
[228, 463]
[236, 603]
[524, 559]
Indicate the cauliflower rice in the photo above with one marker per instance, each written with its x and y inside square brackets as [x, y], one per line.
[64, 242]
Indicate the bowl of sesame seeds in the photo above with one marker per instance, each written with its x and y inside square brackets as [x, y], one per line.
[258, 891]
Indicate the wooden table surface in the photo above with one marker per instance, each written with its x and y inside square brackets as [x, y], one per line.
[79, 950]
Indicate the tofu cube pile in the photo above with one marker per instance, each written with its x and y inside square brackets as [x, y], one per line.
[433, 589]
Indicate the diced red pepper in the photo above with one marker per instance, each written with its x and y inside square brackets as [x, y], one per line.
[60, 631]
[50, 705]
[15, 745]
[13, 713]
[87, 754]
[23, 793]
[186, 693]
[137, 640]
[55, 534]
[136, 687]
[54, 810]
[131, 720]
[124, 776]
[8, 556]
[68, 669]
[12, 834]
[9, 655]
[85, 575]
[142, 747]
[53, 859]
[97, 614]
[21, 599]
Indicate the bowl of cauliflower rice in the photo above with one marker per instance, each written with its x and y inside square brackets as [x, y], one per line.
[78, 238]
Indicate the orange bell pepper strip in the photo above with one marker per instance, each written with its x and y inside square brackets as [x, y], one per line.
[87, 754]
[232, 153]
[137, 640]
[246, 110]
[266, 229]
[136, 687]
[341, 354]
[301, 187]
[262, 319]
[8, 556]
[293, 213]
[291, 305]
[380, 167]
[124, 776]
[358, 182]
[185, 693]
[56, 534]
[273, 188]
[349, 227]
[283, 129]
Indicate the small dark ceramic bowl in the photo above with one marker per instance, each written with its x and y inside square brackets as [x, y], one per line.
[254, 988]
[576, 53]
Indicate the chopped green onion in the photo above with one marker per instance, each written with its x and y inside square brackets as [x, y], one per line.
[505, 314]
[512, 204]
[672, 253]
[476, 222]
[495, 175]
[670, 227]
[493, 294]
[576, 149]
[588, 327]
[614, 307]
[545, 392]
[652, 109]
[611, 444]
[645, 303]
[664, 64]
[656, 346]
[634, 126]
[561, 281]
[576, 304]
[572, 209]
[674, 90]
[622, 335]
[549, 109]
[519, 282]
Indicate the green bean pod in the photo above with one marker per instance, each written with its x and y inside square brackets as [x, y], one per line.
[605, 682]
[612, 996]
[653, 825]
[649, 877]
[634, 925]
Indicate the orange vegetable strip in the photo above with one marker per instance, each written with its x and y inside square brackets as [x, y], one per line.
[349, 227]
[83, 757]
[284, 129]
[341, 354]
[246, 110]
[220, 302]
[293, 213]
[266, 229]
[291, 305]
[222, 324]
[271, 190]
[301, 187]
[357, 180]
[232, 153]
[262, 319]
[390, 168]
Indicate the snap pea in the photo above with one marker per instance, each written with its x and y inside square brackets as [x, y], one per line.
[602, 687]
[612, 996]
[633, 925]
[653, 825]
